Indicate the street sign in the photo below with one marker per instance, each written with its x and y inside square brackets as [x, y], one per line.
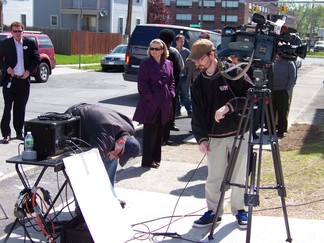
[195, 25]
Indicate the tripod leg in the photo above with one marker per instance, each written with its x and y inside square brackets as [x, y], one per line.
[233, 157]
[278, 173]
[4, 212]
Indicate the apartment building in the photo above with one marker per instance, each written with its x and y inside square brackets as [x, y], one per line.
[215, 14]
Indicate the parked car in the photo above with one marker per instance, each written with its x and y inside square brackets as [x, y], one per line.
[115, 60]
[319, 46]
[299, 62]
[142, 36]
[46, 53]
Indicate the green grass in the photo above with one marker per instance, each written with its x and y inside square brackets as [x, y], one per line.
[315, 54]
[75, 59]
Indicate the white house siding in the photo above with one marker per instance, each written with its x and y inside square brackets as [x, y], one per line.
[13, 9]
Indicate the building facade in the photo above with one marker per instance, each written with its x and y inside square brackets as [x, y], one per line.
[92, 15]
[215, 14]
[18, 10]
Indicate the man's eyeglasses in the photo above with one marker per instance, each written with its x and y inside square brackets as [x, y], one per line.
[17, 31]
[155, 49]
[202, 37]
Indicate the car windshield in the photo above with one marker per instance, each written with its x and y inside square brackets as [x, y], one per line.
[319, 43]
[120, 49]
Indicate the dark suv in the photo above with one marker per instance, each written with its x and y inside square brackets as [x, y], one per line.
[46, 53]
[145, 33]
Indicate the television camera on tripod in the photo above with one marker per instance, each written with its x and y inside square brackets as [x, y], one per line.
[258, 44]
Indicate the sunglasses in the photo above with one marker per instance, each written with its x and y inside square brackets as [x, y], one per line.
[155, 49]
[17, 31]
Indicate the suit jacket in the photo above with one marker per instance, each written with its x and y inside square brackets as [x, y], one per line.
[8, 54]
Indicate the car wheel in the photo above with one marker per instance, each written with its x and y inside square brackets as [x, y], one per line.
[42, 73]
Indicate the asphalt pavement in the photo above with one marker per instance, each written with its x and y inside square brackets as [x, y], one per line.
[177, 189]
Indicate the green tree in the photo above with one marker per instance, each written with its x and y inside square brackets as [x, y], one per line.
[157, 13]
[304, 14]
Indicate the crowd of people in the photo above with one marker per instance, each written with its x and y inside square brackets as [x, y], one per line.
[170, 77]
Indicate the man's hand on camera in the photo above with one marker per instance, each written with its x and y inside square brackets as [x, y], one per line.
[204, 147]
[221, 112]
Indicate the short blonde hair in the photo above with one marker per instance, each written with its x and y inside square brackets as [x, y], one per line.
[163, 46]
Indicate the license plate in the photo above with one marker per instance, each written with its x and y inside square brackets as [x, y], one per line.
[111, 63]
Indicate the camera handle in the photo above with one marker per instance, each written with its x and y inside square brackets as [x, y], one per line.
[224, 72]
[253, 170]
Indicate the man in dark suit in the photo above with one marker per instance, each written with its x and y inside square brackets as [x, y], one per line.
[168, 36]
[18, 58]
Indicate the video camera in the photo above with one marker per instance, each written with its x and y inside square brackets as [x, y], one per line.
[263, 40]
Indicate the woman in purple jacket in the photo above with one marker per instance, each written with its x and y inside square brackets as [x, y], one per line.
[154, 108]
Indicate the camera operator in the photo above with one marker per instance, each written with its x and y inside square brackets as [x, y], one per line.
[215, 120]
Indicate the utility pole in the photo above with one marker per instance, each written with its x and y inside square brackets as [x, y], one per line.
[129, 19]
[311, 27]
[201, 13]
[1, 16]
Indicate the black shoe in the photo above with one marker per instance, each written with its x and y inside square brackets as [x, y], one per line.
[6, 140]
[206, 219]
[266, 132]
[169, 142]
[255, 136]
[280, 135]
[174, 128]
[153, 165]
[20, 137]
[122, 203]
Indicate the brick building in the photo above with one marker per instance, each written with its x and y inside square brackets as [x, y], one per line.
[217, 13]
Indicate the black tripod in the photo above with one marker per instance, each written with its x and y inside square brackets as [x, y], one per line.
[253, 172]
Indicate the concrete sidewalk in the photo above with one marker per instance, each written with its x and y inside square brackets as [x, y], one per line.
[153, 196]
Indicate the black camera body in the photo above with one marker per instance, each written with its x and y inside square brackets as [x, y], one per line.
[265, 40]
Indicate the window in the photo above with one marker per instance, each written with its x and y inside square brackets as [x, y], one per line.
[184, 17]
[208, 4]
[167, 3]
[23, 19]
[185, 3]
[89, 23]
[230, 4]
[208, 17]
[229, 18]
[45, 42]
[54, 20]
[120, 25]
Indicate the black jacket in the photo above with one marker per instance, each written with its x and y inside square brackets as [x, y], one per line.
[102, 126]
[8, 54]
[208, 95]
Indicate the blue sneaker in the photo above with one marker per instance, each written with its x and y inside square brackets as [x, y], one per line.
[242, 219]
[206, 219]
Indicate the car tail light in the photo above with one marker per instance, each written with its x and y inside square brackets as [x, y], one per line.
[127, 57]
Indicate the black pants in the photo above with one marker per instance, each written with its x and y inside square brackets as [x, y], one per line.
[152, 142]
[280, 102]
[15, 95]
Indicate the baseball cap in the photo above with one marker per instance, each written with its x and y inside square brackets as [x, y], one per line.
[200, 48]
[132, 149]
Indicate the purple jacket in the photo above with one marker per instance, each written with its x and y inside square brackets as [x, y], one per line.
[156, 87]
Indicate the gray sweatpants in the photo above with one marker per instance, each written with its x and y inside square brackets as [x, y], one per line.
[217, 161]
